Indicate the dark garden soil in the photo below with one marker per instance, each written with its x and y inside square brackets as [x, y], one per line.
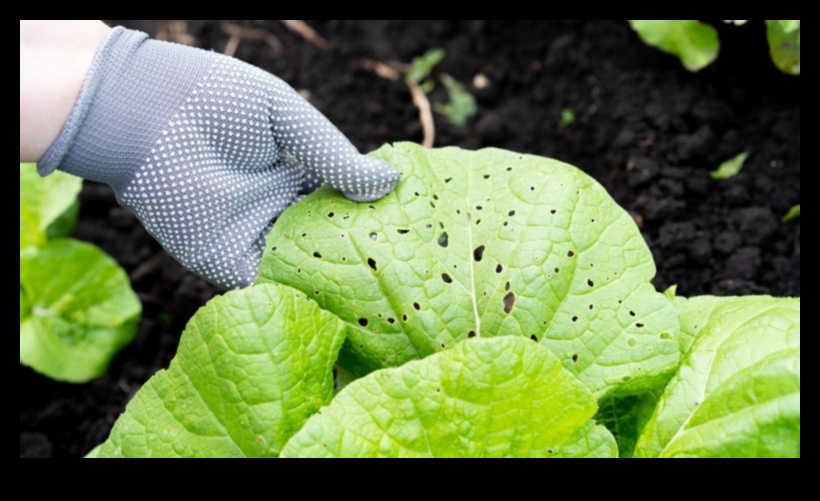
[649, 131]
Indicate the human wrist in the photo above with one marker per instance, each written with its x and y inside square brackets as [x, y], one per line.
[54, 59]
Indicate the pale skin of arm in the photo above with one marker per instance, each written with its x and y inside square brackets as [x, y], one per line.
[54, 59]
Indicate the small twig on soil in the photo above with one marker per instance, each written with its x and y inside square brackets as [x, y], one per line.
[175, 31]
[392, 70]
[428, 127]
[237, 33]
[303, 30]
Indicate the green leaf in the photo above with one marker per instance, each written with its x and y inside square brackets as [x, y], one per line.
[591, 441]
[737, 393]
[784, 45]
[423, 66]
[789, 26]
[730, 168]
[462, 104]
[567, 118]
[794, 213]
[79, 310]
[626, 417]
[48, 206]
[694, 43]
[482, 244]
[504, 397]
[252, 366]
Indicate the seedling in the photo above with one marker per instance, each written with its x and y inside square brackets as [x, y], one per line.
[732, 167]
[697, 44]
[77, 309]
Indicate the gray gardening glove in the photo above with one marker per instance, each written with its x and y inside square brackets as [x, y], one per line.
[205, 149]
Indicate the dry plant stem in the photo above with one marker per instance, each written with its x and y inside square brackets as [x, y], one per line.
[428, 127]
[237, 33]
[303, 30]
[392, 71]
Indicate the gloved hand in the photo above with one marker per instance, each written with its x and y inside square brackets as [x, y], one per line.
[205, 149]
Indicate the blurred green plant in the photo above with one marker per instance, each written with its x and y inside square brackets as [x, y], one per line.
[794, 213]
[567, 118]
[697, 44]
[77, 309]
[730, 168]
[461, 104]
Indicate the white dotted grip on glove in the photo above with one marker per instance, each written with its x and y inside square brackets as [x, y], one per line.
[205, 149]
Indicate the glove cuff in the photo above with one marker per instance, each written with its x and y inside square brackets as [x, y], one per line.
[132, 89]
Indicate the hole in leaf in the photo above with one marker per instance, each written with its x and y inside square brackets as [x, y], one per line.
[403, 231]
[404, 318]
[478, 222]
[534, 338]
[304, 235]
[631, 313]
[443, 346]
[391, 320]
[486, 176]
[471, 334]
[499, 269]
[590, 283]
[639, 325]
[374, 237]
[478, 207]
[532, 188]
[417, 306]
[447, 278]
[372, 263]
[575, 358]
[553, 211]
[557, 270]
[506, 223]
[330, 214]
[478, 253]
[574, 319]
[363, 322]
[317, 255]
[448, 180]
[428, 226]
[509, 302]
[570, 254]
[444, 240]
[435, 197]
[511, 213]
[274, 249]
[507, 286]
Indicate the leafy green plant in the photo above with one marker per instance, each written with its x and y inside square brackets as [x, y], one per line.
[794, 213]
[77, 309]
[495, 304]
[697, 44]
[568, 118]
[730, 168]
[461, 105]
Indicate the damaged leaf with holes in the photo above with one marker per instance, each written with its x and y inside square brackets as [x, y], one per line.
[737, 392]
[483, 244]
[503, 397]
